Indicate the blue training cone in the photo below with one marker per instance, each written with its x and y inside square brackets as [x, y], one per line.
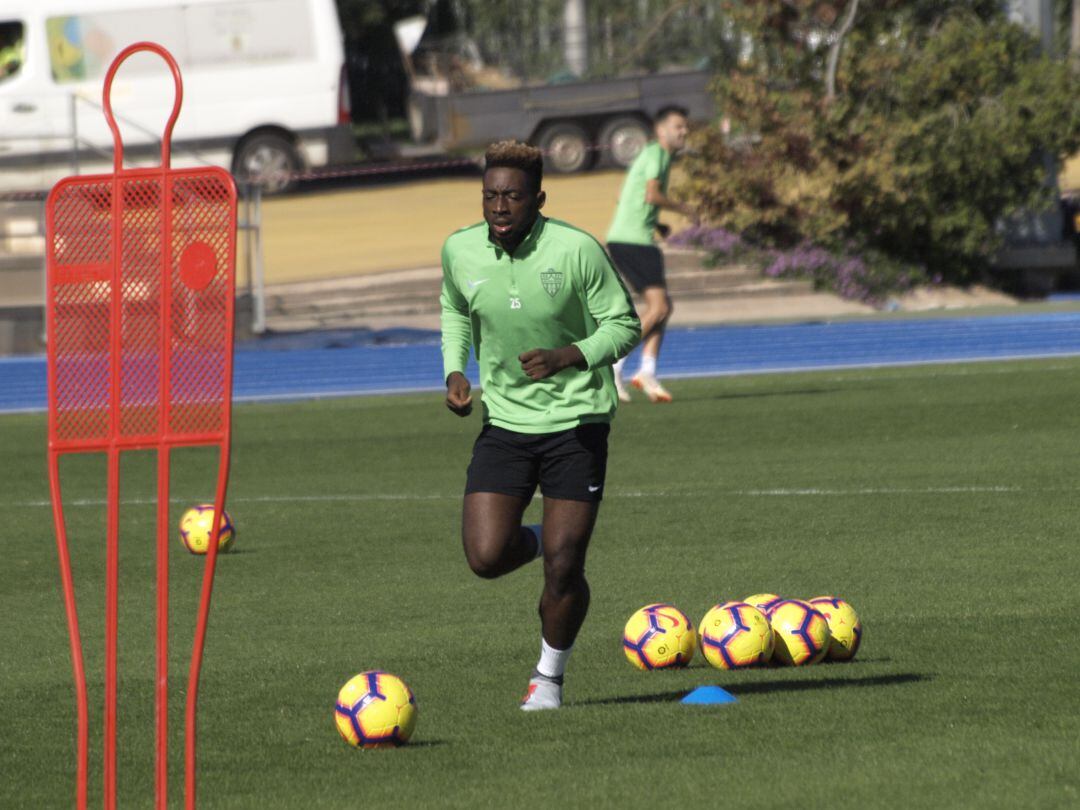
[709, 695]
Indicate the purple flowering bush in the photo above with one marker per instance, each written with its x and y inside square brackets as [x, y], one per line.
[870, 277]
[715, 240]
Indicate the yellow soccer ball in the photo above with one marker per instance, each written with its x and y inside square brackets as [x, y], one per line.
[196, 526]
[659, 636]
[375, 710]
[844, 627]
[735, 634]
[764, 601]
[801, 633]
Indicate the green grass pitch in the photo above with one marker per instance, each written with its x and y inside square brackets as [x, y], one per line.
[942, 501]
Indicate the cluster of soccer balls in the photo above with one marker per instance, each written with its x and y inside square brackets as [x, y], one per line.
[760, 629]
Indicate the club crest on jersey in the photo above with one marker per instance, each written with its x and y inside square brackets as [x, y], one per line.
[552, 280]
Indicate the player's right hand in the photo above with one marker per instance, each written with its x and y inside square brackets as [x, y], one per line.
[458, 394]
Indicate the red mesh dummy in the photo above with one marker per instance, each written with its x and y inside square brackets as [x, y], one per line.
[141, 285]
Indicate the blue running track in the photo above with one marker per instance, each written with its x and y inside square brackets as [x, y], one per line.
[311, 372]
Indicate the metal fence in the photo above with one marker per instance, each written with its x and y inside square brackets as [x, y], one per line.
[22, 219]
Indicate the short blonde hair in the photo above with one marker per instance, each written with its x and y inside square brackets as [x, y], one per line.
[516, 155]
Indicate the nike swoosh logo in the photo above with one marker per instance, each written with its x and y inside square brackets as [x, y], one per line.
[594, 489]
[473, 284]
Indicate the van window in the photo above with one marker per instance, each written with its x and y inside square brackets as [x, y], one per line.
[11, 49]
[240, 32]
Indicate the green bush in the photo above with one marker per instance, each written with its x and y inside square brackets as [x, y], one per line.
[940, 124]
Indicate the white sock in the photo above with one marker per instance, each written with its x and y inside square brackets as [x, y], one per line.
[552, 663]
[538, 532]
[648, 366]
[618, 367]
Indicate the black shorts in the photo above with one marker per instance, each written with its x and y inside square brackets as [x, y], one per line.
[569, 465]
[641, 265]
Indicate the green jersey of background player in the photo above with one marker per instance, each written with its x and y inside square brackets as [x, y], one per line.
[547, 315]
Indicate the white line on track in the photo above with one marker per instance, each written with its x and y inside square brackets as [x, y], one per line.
[362, 497]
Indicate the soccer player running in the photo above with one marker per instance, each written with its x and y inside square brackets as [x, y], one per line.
[630, 241]
[547, 315]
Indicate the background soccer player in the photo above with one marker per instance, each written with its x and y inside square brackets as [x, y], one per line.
[631, 243]
[547, 315]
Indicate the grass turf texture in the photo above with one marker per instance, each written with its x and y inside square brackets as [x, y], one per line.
[941, 501]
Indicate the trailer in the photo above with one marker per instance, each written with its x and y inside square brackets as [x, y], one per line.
[458, 102]
[576, 124]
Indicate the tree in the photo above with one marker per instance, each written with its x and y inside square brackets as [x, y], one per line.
[909, 128]
[624, 37]
[1074, 34]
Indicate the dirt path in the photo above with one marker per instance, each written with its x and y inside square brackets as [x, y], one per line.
[355, 232]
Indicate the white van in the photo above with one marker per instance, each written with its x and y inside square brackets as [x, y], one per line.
[265, 92]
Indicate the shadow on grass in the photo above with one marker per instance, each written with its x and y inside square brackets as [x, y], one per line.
[425, 744]
[767, 687]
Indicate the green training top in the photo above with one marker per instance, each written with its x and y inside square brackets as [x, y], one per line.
[635, 220]
[557, 288]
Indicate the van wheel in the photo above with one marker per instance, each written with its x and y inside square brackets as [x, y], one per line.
[267, 160]
[566, 148]
[623, 139]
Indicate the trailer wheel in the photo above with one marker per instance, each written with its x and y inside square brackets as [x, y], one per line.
[566, 148]
[622, 139]
[267, 160]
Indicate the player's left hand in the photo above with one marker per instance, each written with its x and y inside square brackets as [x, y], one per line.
[539, 364]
